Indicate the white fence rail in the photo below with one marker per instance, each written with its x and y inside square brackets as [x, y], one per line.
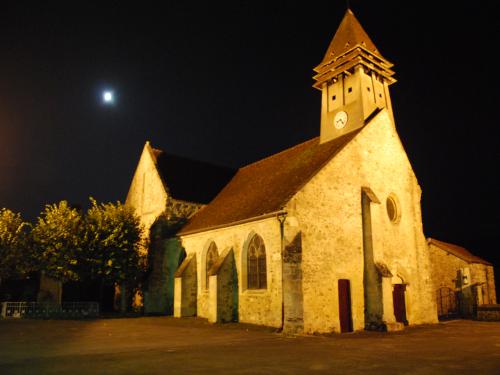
[49, 310]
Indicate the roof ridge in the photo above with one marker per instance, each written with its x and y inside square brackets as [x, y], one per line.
[160, 151]
[452, 248]
[181, 175]
[430, 239]
[278, 153]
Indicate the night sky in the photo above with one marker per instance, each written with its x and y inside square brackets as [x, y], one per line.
[230, 84]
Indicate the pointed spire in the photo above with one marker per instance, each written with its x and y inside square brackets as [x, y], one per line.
[349, 35]
[351, 46]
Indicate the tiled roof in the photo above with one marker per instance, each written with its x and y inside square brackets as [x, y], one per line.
[458, 251]
[191, 180]
[266, 186]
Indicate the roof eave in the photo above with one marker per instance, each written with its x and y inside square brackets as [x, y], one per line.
[238, 222]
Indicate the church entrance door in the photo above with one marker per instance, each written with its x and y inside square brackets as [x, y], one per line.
[398, 298]
[345, 315]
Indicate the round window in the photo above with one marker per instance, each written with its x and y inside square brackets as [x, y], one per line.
[393, 210]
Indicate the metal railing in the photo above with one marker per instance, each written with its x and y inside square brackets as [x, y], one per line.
[49, 310]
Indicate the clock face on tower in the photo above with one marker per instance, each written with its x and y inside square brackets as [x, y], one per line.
[340, 120]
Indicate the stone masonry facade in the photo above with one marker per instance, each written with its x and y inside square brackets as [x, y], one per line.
[325, 236]
[471, 281]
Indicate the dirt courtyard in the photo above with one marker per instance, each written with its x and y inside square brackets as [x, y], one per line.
[164, 345]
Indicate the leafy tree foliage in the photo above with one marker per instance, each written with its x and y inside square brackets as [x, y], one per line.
[114, 242]
[59, 241]
[103, 245]
[14, 245]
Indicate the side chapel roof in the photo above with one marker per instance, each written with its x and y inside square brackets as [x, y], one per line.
[458, 251]
[267, 185]
[190, 180]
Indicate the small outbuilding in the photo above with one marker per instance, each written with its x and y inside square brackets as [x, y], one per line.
[462, 281]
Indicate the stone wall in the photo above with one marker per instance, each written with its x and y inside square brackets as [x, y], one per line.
[147, 194]
[185, 289]
[445, 268]
[329, 213]
[223, 290]
[489, 313]
[165, 256]
[255, 306]
[292, 286]
[449, 270]
[483, 276]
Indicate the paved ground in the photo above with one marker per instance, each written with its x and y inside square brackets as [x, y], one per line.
[164, 345]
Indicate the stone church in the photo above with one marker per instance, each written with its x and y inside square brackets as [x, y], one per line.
[325, 236]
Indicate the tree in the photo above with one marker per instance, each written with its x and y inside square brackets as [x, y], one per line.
[15, 257]
[114, 240]
[104, 245]
[59, 241]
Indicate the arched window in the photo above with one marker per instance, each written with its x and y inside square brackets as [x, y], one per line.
[211, 258]
[256, 263]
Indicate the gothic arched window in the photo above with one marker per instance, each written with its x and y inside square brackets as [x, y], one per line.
[211, 258]
[256, 263]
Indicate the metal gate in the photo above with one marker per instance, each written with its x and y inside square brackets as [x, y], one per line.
[447, 303]
[49, 310]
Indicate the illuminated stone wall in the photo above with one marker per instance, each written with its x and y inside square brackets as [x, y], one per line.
[445, 268]
[328, 212]
[147, 194]
[254, 306]
[448, 271]
[186, 285]
[483, 276]
[327, 215]
[223, 289]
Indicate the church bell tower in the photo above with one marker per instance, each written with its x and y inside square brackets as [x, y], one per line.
[354, 80]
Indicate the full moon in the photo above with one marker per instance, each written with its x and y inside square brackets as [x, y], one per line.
[108, 97]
